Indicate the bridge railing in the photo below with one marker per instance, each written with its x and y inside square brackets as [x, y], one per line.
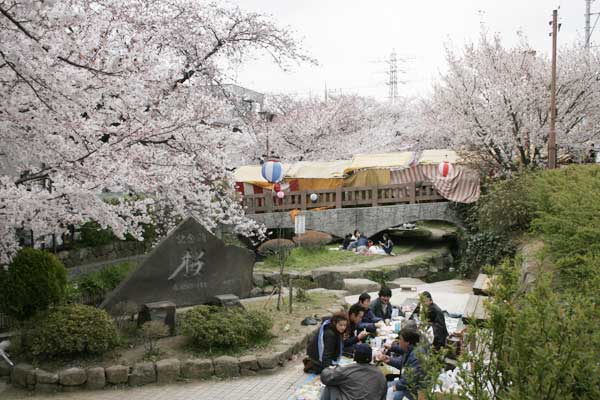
[343, 197]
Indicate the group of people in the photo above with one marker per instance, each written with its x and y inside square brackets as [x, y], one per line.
[347, 333]
[359, 243]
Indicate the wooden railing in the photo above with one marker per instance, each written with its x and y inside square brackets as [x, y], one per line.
[343, 197]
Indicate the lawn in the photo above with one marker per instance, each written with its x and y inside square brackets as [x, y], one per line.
[305, 259]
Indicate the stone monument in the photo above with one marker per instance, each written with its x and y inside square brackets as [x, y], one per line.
[188, 267]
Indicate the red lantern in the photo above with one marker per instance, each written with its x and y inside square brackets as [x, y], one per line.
[445, 169]
[277, 187]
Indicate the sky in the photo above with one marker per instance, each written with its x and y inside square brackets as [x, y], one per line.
[353, 39]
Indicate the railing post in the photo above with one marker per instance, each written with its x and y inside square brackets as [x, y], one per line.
[338, 197]
[268, 202]
[374, 196]
[412, 192]
[303, 200]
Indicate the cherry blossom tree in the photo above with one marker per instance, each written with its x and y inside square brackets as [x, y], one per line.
[495, 102]
[122, 95]
[337, 128]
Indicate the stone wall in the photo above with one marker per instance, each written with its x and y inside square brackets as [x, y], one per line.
[369, 220]
[170, 370]
[89, 255]
[437, 260]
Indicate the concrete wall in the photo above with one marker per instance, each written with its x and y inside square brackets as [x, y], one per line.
[370, 220]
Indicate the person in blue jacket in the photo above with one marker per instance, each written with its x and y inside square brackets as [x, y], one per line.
[407, 361]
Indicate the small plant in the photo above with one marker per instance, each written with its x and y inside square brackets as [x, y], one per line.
[123, 314]
[302, 296]
[33, 281]
[72, 329]
[381, 277]
[211, 327]
[152, 331]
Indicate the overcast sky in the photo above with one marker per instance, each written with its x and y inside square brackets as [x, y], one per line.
[351, 38]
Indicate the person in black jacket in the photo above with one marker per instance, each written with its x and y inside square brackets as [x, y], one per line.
[369, 320]
[436, 318]
[381, 306]
[326, 347]
[354, 334]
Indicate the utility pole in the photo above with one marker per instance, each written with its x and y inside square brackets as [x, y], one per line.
[588, 23]
[552, 137]
[393, 77]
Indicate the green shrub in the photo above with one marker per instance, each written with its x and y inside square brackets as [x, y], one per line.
[211, 327]
[103, 281]
[34, 280]
[69, 330]
[484, 248]
[93, 235]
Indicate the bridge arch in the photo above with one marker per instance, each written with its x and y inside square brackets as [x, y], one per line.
[370, 220]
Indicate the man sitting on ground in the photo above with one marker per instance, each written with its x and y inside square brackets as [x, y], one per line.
[360, 381]
[381, 306]
[354, 334]
[407, 361]
[369, 319]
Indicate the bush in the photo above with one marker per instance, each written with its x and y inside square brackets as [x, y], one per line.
[151, 332]
[34, 280]
[484, 248]
[103, 281]
[276, 246]
[72, 329]
[312, 239]
[211, 327]
[93, 235]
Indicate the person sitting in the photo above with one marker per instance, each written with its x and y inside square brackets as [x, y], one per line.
[376, 250]
[387, 245]
[381, 306]
[354, 240]
[346, 242]
[362, 244]
[436, 318]
[359, 381]
[369, 319]
[327, 345]
[354, 334]
[407, 361]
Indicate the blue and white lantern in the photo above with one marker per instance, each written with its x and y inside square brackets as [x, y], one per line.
[272, 171]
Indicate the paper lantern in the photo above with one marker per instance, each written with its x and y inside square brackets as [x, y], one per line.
[280, 195]
[272, 171]
[277, 187]
[314, 197]
[445, 169]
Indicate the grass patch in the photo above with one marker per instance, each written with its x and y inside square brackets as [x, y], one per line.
[306, 259]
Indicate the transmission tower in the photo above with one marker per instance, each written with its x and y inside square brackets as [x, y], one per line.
[393, 77]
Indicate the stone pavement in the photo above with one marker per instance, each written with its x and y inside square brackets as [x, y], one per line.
[277, 386]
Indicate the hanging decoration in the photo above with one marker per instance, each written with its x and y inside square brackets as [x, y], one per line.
[272, 171]
[314, 197]
[277, 187]
[445, 169]
[280, 195]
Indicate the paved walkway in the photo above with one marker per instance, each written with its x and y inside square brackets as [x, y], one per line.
[278, 386]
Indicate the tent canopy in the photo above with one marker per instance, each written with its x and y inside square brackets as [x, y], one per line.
[438, 156]
[317, 169]
[381, 160]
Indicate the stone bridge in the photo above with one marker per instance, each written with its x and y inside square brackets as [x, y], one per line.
[370, 220]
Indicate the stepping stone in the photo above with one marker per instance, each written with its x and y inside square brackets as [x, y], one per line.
[360, 285]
